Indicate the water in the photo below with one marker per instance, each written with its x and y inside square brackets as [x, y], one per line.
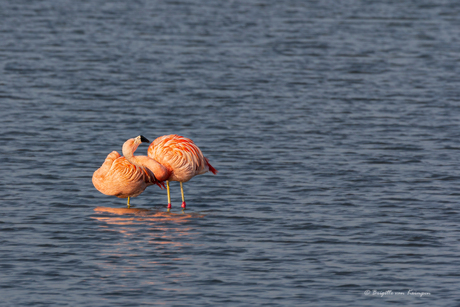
[334, 126]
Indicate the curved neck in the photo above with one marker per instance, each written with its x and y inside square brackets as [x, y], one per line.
[130, 146]
[161, 173]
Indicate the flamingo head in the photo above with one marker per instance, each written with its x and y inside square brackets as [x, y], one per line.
[130, 146]
[143, 139]
[140, 139]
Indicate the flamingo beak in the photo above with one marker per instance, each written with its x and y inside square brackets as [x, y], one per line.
[144, 139]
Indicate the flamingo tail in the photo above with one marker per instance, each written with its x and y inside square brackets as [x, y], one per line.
[212, 169]
[161, 184]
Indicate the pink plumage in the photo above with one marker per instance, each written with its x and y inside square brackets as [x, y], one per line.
[182, 159]
[180, 156]
[123, 178]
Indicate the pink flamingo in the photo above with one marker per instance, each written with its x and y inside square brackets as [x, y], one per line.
[127, 176]
[179, 159]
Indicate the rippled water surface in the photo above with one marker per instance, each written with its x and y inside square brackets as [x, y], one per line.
[334, 126]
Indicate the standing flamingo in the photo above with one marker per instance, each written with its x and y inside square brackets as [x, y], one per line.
[181, 160]
[120, 177]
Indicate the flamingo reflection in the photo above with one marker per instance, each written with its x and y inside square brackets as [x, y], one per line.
[148, 214]
[145, 238]
[160, 224]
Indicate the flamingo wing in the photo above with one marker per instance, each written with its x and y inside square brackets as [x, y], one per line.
[180, 155]
[118, 177]
[129, 172]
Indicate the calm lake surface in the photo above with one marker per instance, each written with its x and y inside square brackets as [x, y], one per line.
[335, 127]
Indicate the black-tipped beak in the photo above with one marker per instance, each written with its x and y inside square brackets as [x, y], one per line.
[144, 139]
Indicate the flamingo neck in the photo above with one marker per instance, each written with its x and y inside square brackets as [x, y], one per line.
[129, 147]
[161, 173]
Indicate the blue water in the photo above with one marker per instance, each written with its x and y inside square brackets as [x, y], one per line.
[334, 126]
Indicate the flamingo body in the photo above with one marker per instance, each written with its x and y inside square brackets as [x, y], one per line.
[121, 178]
[118, 177]
[181, 158]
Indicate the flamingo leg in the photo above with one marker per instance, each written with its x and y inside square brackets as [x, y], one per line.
[129, 205]
[169, 195]
[182, 192]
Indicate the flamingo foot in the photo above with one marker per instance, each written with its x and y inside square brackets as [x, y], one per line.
[169, 207]
[183, 205]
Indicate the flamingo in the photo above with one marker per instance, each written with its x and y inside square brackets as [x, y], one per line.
[179, 159]
[120, 177]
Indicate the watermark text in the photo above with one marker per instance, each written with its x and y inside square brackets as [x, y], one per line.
[409, 292]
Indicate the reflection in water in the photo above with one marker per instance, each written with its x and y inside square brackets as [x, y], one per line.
[143, 226]
[144, 215]
[151, 242]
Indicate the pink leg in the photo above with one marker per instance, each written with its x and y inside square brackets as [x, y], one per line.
[183, 199]
[169, 195]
